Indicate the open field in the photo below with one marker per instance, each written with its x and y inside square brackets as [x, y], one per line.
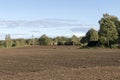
[59, 63]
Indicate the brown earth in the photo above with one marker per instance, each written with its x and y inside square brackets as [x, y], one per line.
[59, 63]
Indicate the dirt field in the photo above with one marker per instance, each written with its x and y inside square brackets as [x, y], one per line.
[59, 63]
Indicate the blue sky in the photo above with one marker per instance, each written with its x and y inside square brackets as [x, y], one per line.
[24, 18]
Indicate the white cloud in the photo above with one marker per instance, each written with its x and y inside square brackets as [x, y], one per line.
[79, 34]
[43, 23]
[35, 31]
[52, 27]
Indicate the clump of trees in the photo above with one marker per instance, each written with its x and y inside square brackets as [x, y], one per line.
[107, 36]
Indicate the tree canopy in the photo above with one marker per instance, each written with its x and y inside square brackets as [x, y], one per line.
[92, 35]
[108, 31]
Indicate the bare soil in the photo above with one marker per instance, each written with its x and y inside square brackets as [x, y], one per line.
[59, 63]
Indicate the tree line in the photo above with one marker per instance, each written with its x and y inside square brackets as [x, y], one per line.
[43, 40]
[107, 36]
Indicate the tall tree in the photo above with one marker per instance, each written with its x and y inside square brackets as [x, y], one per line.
[108, 32]
[116, 21]
[8, 41]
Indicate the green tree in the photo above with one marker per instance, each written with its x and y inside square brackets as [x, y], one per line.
[84, 41]
[2, 42]
[45, 40]
[61, 40]
[22, 42]
[75, 40]
[92, 35]
[31, 41]
[17, 43]
[8, 41]
[108, 32]
[116, 21]
[55, 41]
[36, 41]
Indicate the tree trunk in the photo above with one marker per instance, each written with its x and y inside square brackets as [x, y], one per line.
[108, 44]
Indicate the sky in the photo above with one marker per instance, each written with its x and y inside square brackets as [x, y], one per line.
[24, 18]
